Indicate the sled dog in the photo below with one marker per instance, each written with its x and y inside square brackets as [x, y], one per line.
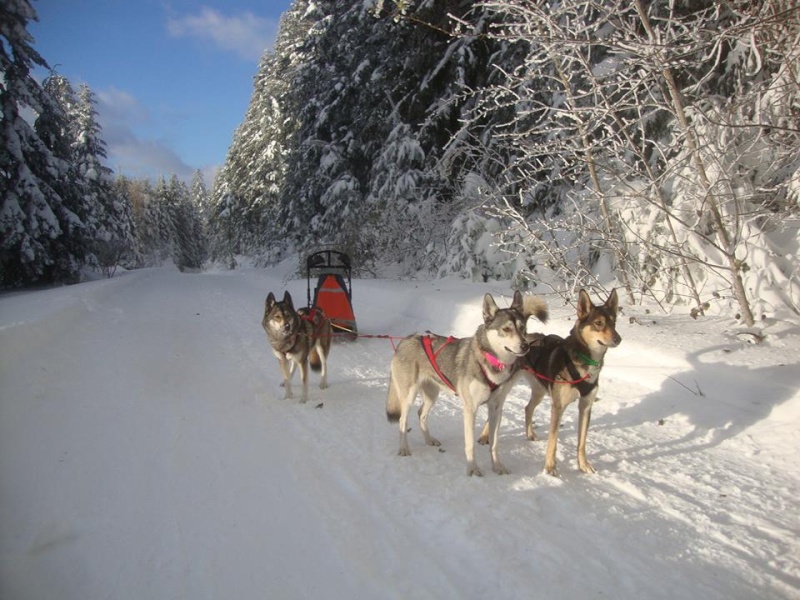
[298, 338]
[568, 369]
[478, 369]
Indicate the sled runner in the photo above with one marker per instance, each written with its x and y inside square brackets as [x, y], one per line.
[333, 292]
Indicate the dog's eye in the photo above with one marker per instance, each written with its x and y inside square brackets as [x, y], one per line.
[599, 323]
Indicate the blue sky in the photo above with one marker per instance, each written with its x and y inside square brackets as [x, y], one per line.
[173, 78]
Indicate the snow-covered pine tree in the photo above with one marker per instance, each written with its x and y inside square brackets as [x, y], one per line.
[183, 227]
[114, 241]
[402, 198]
[129, 257]
[198, 193]
[147, 218]
[248, 188]
[54, 126]
[40, 235]
[359, 82]
[222, 223]
[156, 231]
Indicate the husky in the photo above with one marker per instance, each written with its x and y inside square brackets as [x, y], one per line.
[568, 369]
[479, 369]
[298, 338]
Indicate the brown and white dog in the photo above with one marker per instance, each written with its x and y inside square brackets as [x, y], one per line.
[568, 369]
[298, 338]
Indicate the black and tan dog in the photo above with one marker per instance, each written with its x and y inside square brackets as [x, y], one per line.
[568, 369]
[298, 338]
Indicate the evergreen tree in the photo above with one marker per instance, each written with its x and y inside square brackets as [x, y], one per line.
[55, 128]
[115, 236]
[148, 218]
[199, 195]
[580, 136]
[157, 228]
[358, 89]
[188, 239]
[248, 188]
[40, 235]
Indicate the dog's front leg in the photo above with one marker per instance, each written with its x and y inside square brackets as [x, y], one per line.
[469, 435]
[559, 403]
[584, 416]
[286, 372]
[304, 380]
[495, 415]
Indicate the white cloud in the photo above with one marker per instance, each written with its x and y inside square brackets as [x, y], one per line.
[245, 34]
[130, 152]
[118, 105]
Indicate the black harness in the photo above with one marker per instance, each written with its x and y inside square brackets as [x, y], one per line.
[583, 385]
[557, 354]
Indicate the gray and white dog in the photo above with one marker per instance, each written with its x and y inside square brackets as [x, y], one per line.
[479, 369]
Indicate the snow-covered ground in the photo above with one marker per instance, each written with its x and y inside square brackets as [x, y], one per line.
[146, 451]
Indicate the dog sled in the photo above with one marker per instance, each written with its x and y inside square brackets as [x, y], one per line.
[333, 292]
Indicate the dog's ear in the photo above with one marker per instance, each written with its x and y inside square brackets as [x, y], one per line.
[489, 308]
[612, 303]
[585, 305]
[270, 301]
[287, 298]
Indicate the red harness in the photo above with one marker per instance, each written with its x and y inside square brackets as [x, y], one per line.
[310, 315]
[427, 345]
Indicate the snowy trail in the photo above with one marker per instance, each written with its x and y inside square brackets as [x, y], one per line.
[146, 451]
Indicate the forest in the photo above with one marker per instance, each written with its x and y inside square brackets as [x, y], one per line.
[647, 145]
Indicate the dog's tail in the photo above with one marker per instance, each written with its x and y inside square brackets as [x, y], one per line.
[314, 360]
[392, 402]
[534, 306]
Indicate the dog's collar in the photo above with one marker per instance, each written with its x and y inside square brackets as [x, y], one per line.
[494, 361]
[587, 360]
[492, 385]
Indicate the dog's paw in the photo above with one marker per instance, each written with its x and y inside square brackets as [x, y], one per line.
[587, 468]
[432, 441]
[551, 470]
[483, 440]
[472, 469]
[500, 468]
[404, 452]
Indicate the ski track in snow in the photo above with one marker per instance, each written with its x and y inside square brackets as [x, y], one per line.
[146, 451]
